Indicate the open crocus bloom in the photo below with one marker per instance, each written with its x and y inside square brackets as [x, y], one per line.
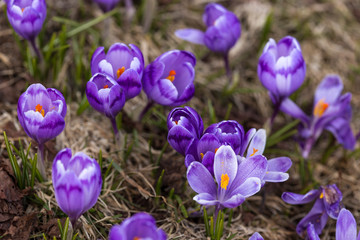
[26, 17]
[169, 80]
[281, 68]
[41, 112]
[233, 183]
[139, 226]
[77, 182]
[125, 65]
[327, 204]
[223, 29]
[332, 111]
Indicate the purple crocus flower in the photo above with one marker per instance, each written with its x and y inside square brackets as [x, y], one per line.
[125, 65]
[107, 5]
[223, 29]
[139, 226]
[256, 236]
[169, 80]
[26, 17]
[185, 128]
[332, 111]
[327, 204]
[233, 183]
[41, 113]
[77, 182]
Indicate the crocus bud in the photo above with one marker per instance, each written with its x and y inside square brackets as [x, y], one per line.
[223, 29]
[107, 5]
[125, 65]
[281, 68]
[26, 17]
[41, 112]
[169, 80]
[185, 126]
[105, 95]
[139, 226]
[77, 182]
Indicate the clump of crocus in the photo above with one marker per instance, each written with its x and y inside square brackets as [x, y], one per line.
[332, 111]
[169, 79]
[233, 183]
[281, 69]
[139, 226]
[327, 204]
[41, 113]
[123, 64]
[106, 96]
[223, 31]
[77, 182]
[27, 18]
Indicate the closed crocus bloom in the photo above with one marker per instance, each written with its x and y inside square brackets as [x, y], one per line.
[233, 183]
[77, 182]
[169, 80]
[107, 5]
[26, 17]
[223, 29]
[327, 204]
[281, 68]
[331, 111]
[41, 112]
[185, 126]
[139, 226]
[125, 65]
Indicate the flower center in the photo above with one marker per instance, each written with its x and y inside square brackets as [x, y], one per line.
[202, 155]
[120, 71]
[171, 76]
[22, 10]
[224, 181]
[40, 109]
[320, 108]
[136, 238]
[254, 151]
[106, 86]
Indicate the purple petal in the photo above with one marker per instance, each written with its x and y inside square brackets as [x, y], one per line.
[131, 83]
[189, 158]
[64, 157]
[332, 197]
[250, 187]
[212, 12]
[248, 136]
[341, 129]
[180, 139]
[200, 179]
[192, 35]
[97, 56]
[256, 236]
[235, 201]
[289, 107]
[106, 68]
[279, 164]
[164, 92]
[329, 89]
[175, 58]
[51, 126]
[225, 163]
[251, 167]
[275, 177]
[152, 74]
[119, 55]
[208, 142]
[206, 199]
[208, 162]
[345, 226]
[186, 96]
[294, 198]
[55, 95]
[311, 234]
[257, 144]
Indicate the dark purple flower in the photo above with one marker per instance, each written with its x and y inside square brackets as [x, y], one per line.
[107, 5]
[332, 111]
[169, 80]
[185, 127]
[105, 95]
[233, 183]
[77, 182]
[281, 68]
[41, 112]
[256, 236]
[125, 65]
[327, 204]
[223, 29]
[26, 17]
[139, 226]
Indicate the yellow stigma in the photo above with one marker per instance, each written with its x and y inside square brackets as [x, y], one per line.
[171, 76]
[321, 195]
[120, 71]
[202, 155]
[254, 151]
[320, 108]
[224, 181]
[136, 238]
[22, 10]
[39, 109]
[106, 86]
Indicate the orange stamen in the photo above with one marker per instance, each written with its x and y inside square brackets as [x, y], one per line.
[176, 122]
[120, 71]
[106, 86]
[224, 181]
[320, 108]
[171, 76]
[22, 10]
[202, 155]
[39, 108]
[136, 238]
[254, 151]
[216, 149]
[321, 195]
